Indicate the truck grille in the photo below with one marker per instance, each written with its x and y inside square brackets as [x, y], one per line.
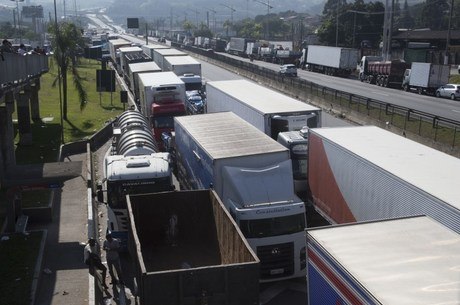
[276, 260]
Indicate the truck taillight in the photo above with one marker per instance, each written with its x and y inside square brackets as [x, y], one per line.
[303, 258]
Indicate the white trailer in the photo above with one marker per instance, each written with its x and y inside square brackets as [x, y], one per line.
[114, 45]
[136, 69]
[148, 49]
[269, 111]
[187, 68]
[332, 60]
[252, 175]
[181, 65]
[394, 262]
[367, 173]
[123, 67]
[160, 54]
[425, 77]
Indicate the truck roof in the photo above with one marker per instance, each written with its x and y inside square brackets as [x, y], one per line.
[262, 99]
[156, 79]
[144, 66]
[225, 135]
[154, 46]
[129, 49]
[432, 171]
[181, 60]
[169, 52]
[117, 42]
[138, 167]
[400, 261]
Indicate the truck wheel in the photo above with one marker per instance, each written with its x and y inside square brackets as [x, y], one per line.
[419, 90]
[406, 88]
[385, 82]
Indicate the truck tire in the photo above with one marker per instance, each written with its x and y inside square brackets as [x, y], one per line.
[385, 82]
[420, 90]
[405, 87]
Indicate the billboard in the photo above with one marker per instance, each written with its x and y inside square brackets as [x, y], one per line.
[32, 11]
[133, 23]
[105, 80]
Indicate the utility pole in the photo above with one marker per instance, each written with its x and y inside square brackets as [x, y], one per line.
[337, 24]
[446, 56]
[231, 13]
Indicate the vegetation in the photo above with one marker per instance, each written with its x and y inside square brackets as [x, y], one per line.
[68, 43]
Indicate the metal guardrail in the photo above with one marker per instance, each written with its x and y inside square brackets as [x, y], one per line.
[17, 69]
[439, 129]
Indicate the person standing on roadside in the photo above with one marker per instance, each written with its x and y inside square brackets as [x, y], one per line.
[112, 247]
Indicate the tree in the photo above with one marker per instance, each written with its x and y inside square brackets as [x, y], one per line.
[433, 14]
[406, 21]
[203, 31]
[68, 43]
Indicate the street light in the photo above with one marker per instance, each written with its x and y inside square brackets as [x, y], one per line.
[268, 14]
[19, 19]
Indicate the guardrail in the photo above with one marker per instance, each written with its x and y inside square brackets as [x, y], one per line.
[17, 69]
[442, 131]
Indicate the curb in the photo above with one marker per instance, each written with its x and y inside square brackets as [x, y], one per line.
[38, 266]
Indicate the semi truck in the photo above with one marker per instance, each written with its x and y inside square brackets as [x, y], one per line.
[148, 49]
[160, 54]
[237, 46]
[269, 111]
[252, 175]
[124, 51]
[425, 77]
[132, 165]
[137, 68]
[297, 143]
[187, 69]
[114, 45]
[187, 249]
[161, 98]
[388, 73]
[331, 60]
[394, 262]
[367, 173]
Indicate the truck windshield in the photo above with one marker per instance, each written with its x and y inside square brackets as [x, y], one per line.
[299, 161]
[267, 227]
[117, 190]
[164, 121]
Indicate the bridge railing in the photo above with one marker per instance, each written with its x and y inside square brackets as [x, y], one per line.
[15, 68]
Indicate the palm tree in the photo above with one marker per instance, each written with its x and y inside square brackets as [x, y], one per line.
[68, 43]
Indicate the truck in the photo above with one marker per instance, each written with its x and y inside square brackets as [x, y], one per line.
[187, 249]
[383, 73]
[161, 98]
[137, 68]
[269, 111]
[297, 143]
[335, 61]
[366, 173]
[132, 58]
[187, 69]
[252, 175]
[149, 49]
[394, 262]
[218, 44]
[132, 164]
[425, 77]
[283, 57]
[160, 54]
[114, 45]
[237, 46]
[124, 51]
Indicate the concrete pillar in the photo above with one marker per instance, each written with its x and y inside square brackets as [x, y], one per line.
[24, 126]
[34, 105]
[7, 132]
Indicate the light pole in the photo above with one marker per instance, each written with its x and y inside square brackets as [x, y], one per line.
[19, 19]
[57, 39]
[268, 14]
[446, 56]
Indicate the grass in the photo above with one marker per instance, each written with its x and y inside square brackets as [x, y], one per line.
[18, 256]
